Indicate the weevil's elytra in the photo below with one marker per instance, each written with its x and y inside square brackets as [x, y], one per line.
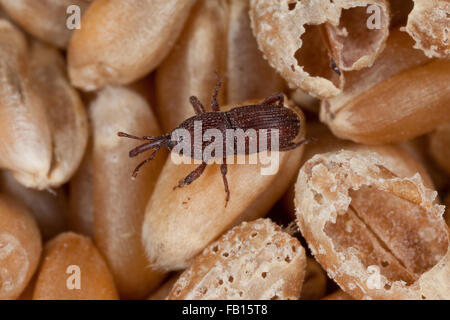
[263, 118]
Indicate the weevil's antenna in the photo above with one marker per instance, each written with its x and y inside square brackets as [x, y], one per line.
[126, 135]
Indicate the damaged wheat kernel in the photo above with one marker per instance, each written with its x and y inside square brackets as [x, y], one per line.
[429, 25]
[299, 37]
[255, 260]
[378, 234]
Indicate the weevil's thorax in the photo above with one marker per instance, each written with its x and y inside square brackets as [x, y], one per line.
[199, 127]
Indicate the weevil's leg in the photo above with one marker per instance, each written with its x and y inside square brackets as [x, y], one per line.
[191, 177]
[214, 103]
[294, 145]
[277, 97]
[136, 170]
[126, 135]
[198, 106]
[223, 171]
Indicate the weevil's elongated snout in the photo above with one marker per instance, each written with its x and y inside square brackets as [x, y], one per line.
[154, 143]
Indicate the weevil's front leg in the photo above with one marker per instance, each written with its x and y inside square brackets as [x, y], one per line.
[223, 171]
[214, 103]
[136, 170]
[198, 106]
[277, 97]
[191, 177]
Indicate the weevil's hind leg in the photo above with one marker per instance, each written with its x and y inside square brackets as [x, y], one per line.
[223, 171]
[294, 145]
[214, 103]
[273, 99]
[191, 177]
[197, 105]
[136, 170]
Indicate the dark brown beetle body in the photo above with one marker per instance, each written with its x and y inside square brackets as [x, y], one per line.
[261, 119]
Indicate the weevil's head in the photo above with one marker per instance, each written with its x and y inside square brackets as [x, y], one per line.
[173, 141]
[180, 138]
